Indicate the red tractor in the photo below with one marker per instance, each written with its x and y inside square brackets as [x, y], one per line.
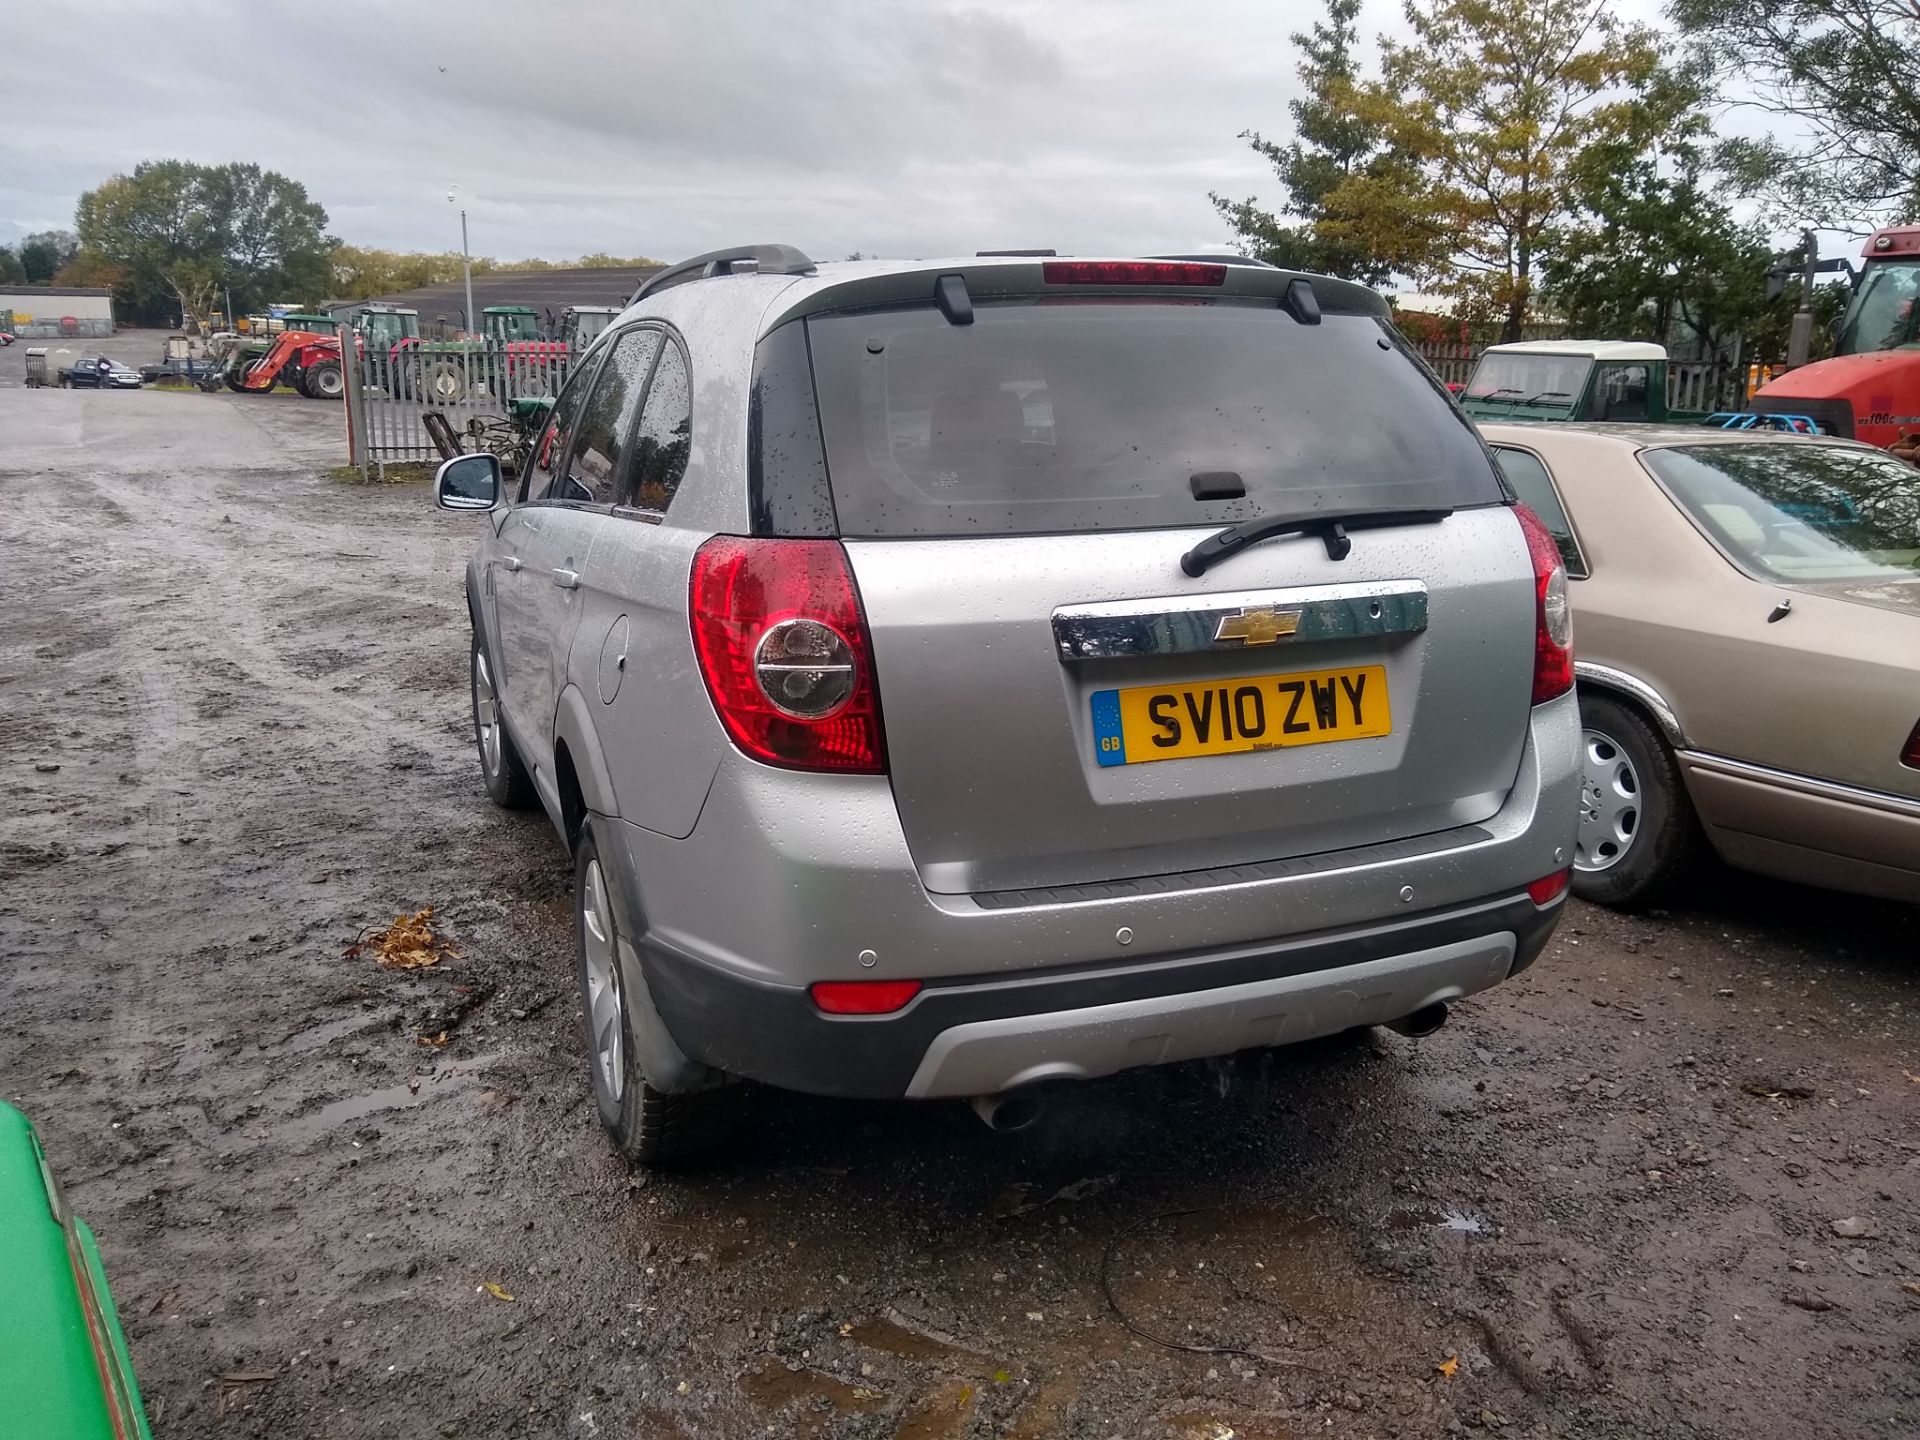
[1870, 389]
[308, 362]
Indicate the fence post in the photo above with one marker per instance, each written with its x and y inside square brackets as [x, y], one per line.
[356, 400]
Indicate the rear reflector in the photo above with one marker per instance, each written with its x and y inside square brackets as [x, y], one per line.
[1911, 755]
[1549, 888]
[1131, 272]
[1552, 611]
[863, 997]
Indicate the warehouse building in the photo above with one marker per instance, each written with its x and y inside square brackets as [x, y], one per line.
[55, 312]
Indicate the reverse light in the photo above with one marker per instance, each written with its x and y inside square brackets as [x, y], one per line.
[1131, 272]
[783, 648]
[1552, 611]
[863, 997]
[1549, 888]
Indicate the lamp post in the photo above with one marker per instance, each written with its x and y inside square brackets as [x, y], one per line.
[466, 260]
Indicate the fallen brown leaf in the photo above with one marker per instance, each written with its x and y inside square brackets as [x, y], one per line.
[1448, 1366]
[436, 1041]
[409, 943]
[497, 1291]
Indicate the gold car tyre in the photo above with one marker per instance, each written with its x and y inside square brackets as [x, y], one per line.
[1638, 835]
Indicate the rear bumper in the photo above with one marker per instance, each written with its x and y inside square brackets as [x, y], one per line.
[980, 1035]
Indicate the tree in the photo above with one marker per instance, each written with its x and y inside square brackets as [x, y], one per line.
[177, 232]
[1843, 73]
[11, 271]
[1490, 110]
[43, 253]
[1332, 144]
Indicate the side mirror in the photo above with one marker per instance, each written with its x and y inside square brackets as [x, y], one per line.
[467, 482]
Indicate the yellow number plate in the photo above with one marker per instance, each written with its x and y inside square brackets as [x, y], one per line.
[1228, 717]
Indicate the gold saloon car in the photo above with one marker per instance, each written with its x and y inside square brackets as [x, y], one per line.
[1747, 634]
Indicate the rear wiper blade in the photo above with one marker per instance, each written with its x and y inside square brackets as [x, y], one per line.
[1330, 527]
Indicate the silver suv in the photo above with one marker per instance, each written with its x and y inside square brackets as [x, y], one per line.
[956, 676]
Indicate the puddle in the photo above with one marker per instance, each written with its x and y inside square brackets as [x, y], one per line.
[315, 1036]
[417, 1090]
[774, 1387]
[897, 1339]
[1458, 1222]
[941, 1413]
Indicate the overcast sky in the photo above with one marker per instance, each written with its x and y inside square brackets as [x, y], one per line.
[667, 127]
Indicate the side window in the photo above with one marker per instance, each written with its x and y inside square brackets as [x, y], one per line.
[1622, 393]
[1534, 486]
[607, 421]
[550, 449]
[666, 434]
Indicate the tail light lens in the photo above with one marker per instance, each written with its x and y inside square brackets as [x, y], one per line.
[863, 997]
[783, 648]
[1552, 611]
[1911, 755]
[1549, 888]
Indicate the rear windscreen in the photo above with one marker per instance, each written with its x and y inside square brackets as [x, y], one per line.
[1077, 413]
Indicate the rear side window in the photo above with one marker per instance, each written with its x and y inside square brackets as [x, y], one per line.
[1534, 486]
[608, 420]
[666, 433]
[1068, 414]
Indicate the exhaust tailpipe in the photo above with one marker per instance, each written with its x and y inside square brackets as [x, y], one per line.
[1424, 1021]
[1011, 1109]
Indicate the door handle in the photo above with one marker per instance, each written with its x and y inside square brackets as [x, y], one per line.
[510, 564]
[567, 579]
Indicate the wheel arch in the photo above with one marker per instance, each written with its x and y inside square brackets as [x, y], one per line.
[579, 766]
[1631, 690]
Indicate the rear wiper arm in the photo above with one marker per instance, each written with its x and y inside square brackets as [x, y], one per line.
[1547, 395]
[1331, 528]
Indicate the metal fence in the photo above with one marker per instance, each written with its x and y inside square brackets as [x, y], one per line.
[391, 392]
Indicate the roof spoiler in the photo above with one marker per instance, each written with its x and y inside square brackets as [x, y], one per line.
[759, 259]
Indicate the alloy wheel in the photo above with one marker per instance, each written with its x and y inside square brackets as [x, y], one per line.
[605, 1021]
[486, 712]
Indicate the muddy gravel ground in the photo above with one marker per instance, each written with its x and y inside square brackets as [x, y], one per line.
[234, 733]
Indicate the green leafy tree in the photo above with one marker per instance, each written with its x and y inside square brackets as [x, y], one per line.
[11, 270]
[175, 230]
[1332, 145]
[43, 253]
[1490, 109]
[1846, 75]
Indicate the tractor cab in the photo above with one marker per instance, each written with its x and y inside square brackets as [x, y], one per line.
[310, 323]
[580, 325]
[1884, 313]
[382, 327]
[506, 324]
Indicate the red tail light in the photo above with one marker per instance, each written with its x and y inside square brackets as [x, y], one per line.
[783, 647]
[1552, 611]
[1131, 272]
[1911, 755]
[863, 997]
[1549, 888]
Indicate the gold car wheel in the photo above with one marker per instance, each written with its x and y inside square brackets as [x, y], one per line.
[1610, 801]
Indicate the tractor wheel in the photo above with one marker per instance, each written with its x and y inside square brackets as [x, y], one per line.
[325, 382]
[442, 383]
[236, 380]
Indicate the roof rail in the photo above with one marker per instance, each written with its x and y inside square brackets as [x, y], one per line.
[1224, 258]
[764, 260]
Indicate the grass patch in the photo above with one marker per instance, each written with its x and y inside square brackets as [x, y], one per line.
[401, 472]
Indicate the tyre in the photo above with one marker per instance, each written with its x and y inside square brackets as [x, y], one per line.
[1638, 834]
[325, 382]
[236, 380]
[441, 383]
[508, 784]
[648, 1125]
